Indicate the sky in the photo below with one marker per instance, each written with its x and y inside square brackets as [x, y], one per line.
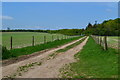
[56, 15]
[60, 0]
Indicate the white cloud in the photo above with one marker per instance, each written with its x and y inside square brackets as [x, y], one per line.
[108, 10]
[6, 17]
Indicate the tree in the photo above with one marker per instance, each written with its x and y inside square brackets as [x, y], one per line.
[8, 28]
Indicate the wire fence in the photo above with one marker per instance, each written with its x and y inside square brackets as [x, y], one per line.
[34, 40]
[101, 40]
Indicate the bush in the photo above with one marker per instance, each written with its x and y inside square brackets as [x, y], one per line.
[5, 53]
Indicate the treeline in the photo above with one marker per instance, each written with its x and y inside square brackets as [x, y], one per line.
[23, 30]
[70, 32]
[109, 28]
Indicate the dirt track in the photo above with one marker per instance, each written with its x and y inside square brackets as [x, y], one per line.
[49, 67]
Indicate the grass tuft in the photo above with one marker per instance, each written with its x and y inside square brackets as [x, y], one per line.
[23, 68]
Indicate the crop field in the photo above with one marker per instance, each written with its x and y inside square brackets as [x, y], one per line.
[23, 39]
[113, 41]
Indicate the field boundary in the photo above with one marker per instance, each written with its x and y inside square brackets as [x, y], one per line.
[23, 57]
[14, 40]
[89, 61]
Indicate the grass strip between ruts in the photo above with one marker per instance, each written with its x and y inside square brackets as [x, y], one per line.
[71, 46]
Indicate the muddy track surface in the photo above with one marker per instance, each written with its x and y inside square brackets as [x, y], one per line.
[44, 65]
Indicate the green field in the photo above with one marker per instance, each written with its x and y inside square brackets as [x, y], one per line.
[14, 53]
[23, 39]
[113, 41]
[93, 62]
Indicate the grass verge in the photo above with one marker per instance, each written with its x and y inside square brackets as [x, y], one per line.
[93, 62]
[31, 49]
[71, 46]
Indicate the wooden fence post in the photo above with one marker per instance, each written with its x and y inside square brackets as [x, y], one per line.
[32, 40]
[96, 39]
[44, 39]
[11, 42]
[52, 38]
[105, 43]
[100, 41]
[57, 37]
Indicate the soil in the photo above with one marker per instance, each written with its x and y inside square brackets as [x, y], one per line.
[49, 67]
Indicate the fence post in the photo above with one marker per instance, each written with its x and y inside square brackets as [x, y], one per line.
[105, 43]
[96, 39]
[11, 42]
[57, 37]
[100, 41]
[52, 38]
[32, 40]
[44, 39]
